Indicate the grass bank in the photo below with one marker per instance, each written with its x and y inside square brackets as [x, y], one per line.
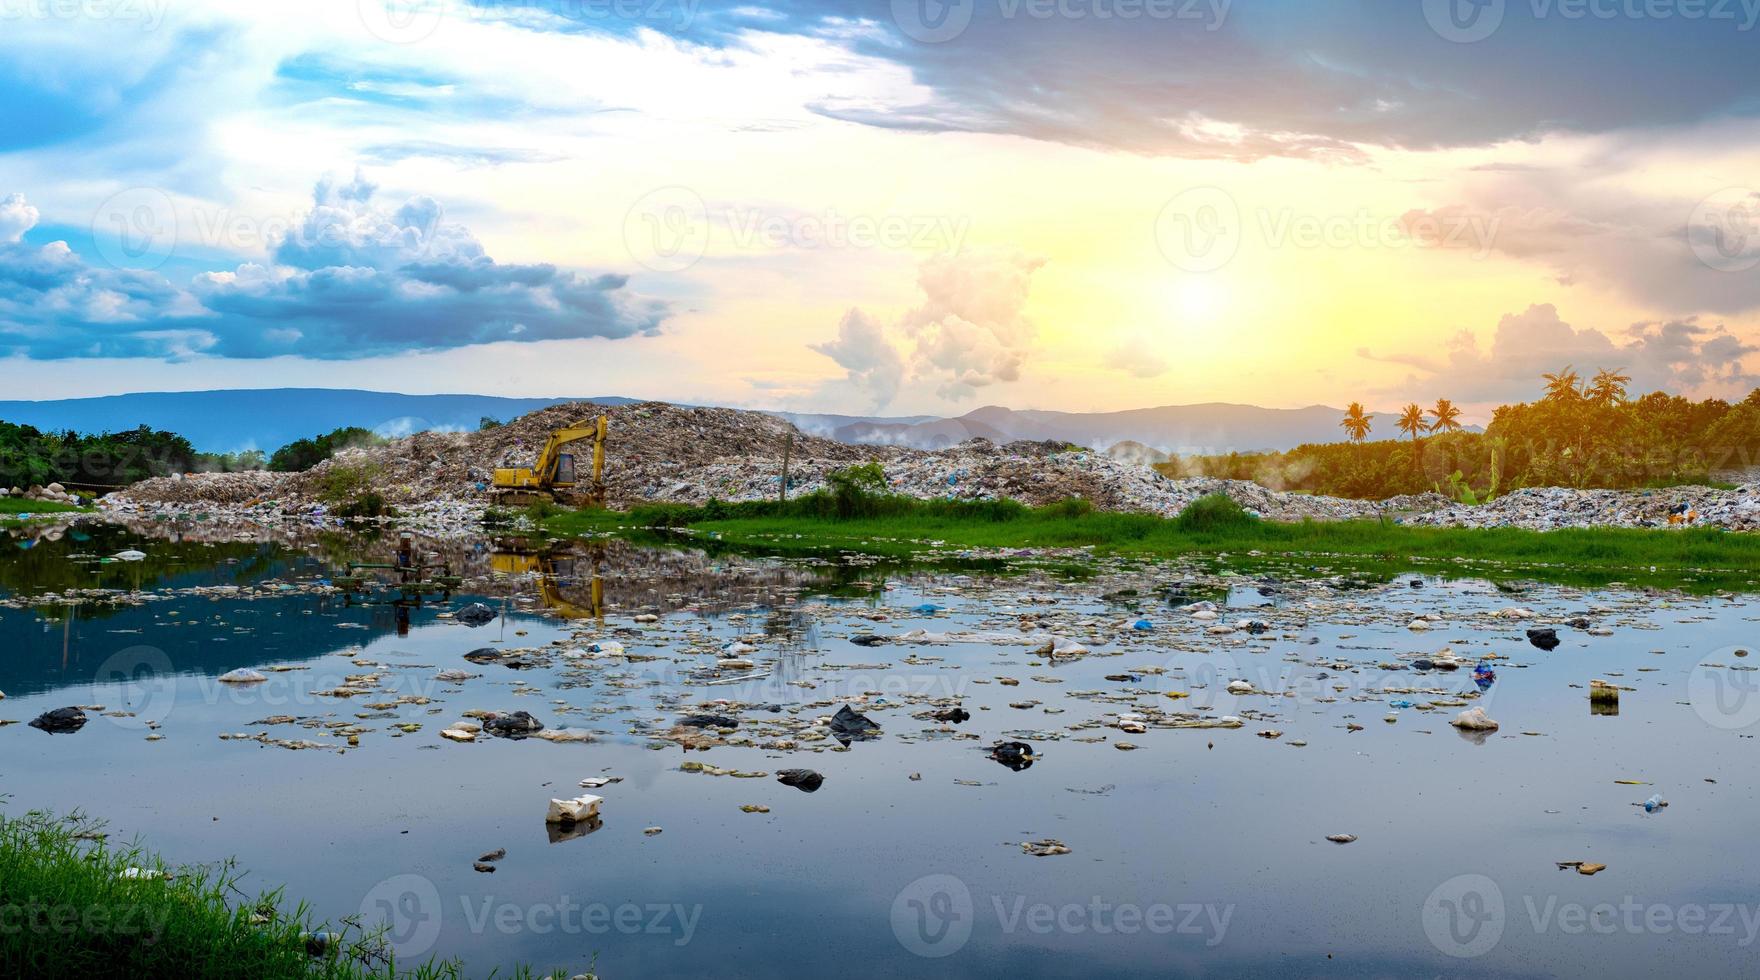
[1212, 526]
[73, 905]
[12, 507]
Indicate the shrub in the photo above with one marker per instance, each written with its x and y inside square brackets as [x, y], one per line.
[1214, 513]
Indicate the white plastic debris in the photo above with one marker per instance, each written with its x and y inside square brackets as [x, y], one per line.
[577, 810]
[1474, 720]
[130, 555]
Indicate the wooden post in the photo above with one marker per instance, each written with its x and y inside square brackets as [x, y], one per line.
[787, 451]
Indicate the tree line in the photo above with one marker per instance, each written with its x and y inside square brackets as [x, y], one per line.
[31, 457]
[1581, 432]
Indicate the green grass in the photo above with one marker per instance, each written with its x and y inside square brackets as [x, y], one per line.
[1213, 526]
[66, 910]
[11, 507]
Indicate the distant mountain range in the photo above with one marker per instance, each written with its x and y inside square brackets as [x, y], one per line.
[1208, 428]
[268, 418]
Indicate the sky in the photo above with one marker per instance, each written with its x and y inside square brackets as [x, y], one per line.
[891, 207]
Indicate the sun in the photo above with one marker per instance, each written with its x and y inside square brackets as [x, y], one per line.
[1199, 298]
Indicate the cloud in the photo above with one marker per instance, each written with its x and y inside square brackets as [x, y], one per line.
[861, 348]
[1678, 356]
[1293, 78]
[1137, 358]
[351, 280]
[968, 333]
[1626, 231]
[16, 217]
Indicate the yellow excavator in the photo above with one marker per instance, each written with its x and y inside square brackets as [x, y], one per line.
[553, 476]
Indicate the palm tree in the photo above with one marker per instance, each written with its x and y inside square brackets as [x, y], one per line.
[1411, 421]
[1445, 417]
[1562, 386]
[1608, 388]
[1355, 422]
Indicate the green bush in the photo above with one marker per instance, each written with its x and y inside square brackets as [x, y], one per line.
[1212, 514]
[303, 454]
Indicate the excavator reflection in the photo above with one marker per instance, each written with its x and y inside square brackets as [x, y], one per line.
[554, 572]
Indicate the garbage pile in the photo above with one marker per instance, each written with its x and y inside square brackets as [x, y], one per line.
[1554, 508]
[659, 452]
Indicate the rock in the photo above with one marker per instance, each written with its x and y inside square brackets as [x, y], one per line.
[475, 614]
[578, 810]
[458, 734]
[1049, 847]
[61, 721]
[454, 676]
[513, 724]
[1342, 838]
[754, 808]
[709, 721]
[1544, 637]
[805, 780]
[867, 640]
[1474, 720]
[650, 831]
[1240, 687]
[483, 867]
[952, 715]
[483, 655]
[242, 675]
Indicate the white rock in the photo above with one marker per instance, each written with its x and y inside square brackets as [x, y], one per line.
[130, 555]
[1240, 687]
[243, 675]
